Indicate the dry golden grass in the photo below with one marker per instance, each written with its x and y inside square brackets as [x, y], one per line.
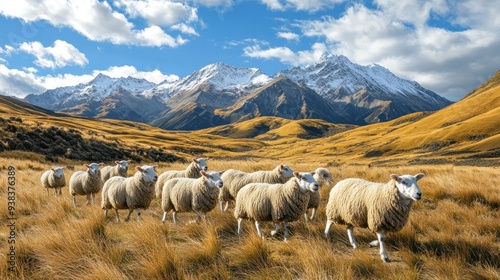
[453, 233]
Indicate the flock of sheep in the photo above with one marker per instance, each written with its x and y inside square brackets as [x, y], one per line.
[279, 195]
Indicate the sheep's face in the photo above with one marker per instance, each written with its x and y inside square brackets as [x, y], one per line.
[286, 171]
[407, 186]
[212, 179]
[93, 168]
[123, 164]
[323, 176]
[201, 164]
[58, 172]
[148, 173]
[306, 181]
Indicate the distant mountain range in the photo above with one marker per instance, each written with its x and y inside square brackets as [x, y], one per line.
[334, 89]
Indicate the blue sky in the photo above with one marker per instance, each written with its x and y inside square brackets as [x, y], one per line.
[450, 47]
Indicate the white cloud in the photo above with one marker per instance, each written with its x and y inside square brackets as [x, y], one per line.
[95, 20]
[288, 36]
[301, 5]
[184, 28]
[159, 12]
[57, 56]
[23, 82]
[287, 56]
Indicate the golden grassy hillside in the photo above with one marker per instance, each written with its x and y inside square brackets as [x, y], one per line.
[453, 233]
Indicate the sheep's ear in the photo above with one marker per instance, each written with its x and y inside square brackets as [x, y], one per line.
[63, 167]
[117, 162]
[195, 160]
[203, 173]
[220, 173]
[53, 169]
[101, 164]
[86, 165]
[297, 175]
[129, 160]
[154, 167]
[281, 167]
[312, 173]
[138, 168]
[419, 176]
[395, 177]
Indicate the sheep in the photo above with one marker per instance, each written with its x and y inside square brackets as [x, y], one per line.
[130, 193]
[235, 180]
[379, 207]
[286, 202]
[54, 179]
[192, 171]
[120, 169]
[86, 182]
[324, 178]
[187, 194]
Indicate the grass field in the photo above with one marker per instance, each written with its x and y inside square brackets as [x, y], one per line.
[453, 233]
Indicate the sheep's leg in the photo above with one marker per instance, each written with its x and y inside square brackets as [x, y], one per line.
[105, 214]
[278, 228]
[239, 226]
[92, 195]
[383, 253]
[138, 211]
[287, 231]
[221, 205]
[328, 226]
[48, 195]
[117, 217]
[313, 213]
[88, 199]
[60, 191]
[74, 201]
[205, 217]
[164, 217]
[55, 192]
[227, 206]
[350, 234]
[128, 215]
[174, 217]
[259, 232]
[306, 216]
[198, 216]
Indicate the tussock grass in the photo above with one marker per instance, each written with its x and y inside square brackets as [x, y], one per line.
[453, 233]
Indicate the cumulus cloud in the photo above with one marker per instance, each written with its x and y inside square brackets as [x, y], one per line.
[94, 19]
[57, 56]
[20, 83]
[286, 55]
[288, 36]
[159, 12]
[301, 5]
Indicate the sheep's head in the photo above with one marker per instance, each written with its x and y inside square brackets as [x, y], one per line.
[123, 164]
[148, 173]
[286, 171]
[212, 179]
[306, 181]
[58, 172]
[201, 164]
[323, 176]
[407, 186]
[93, 168]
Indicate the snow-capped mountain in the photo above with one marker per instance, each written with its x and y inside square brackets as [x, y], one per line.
[365, 89]
[342, 91]
[223, 78]
[97, 89]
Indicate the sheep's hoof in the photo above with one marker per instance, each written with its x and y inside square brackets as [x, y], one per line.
[386, 259]
[374, 243]
[274, 232]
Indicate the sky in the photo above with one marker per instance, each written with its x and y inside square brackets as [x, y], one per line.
[450, 47]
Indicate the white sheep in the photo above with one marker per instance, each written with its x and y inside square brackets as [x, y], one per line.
[234, 180]
[192, 171]
[324, 178]
[120, 169]
[54, 179]
[379, 207]
[286, 202]
[187, 194]
[86, 182]
[132, 193]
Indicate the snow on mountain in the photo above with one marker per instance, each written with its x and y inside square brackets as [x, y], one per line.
[230, 79]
